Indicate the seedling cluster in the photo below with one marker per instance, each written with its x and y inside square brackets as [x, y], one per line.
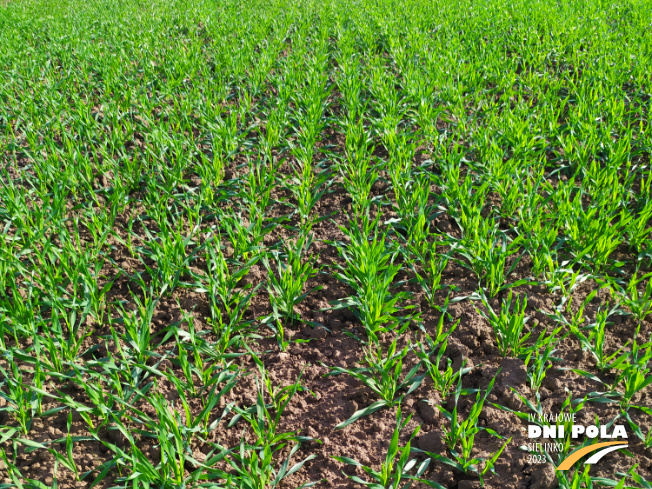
[218, 217]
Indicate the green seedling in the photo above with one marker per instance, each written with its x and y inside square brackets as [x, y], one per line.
[540, 243]
[256, 464]
[638, 231]
[460, 435]
[170, 468]
[539, 358]
[635, 372]
[443, 376]
[261, 180]
[595, 231]
[579, 478]
[383, 375]
[228, 297]
[225, 380]
[137, 325]
[508, 325]
[639, 303]
[244, 239]
[636, 428]
[432, 264]
[20, 399]
[485, 249]
[288, 282]
[395, 469]
[308, 187]
[357, 169]
[14, 474]
[171, 250]
[576, 318]
[68, 459]
[412, 193]
[172, 441]
[594, 341]
[370, 272]
[636, 477]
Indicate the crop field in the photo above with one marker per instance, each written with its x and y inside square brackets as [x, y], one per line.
[347, 243]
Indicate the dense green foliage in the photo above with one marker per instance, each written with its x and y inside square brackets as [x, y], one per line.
[192, 138]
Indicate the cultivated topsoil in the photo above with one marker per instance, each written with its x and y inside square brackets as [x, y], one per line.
[330, 399]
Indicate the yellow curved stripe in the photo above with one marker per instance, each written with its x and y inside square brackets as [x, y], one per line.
[578, 454]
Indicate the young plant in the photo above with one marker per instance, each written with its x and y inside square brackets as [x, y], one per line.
[171, 468]
[443, 377]
[638, 231]
[576, 318]
[20, 399]
[460, 436]
[172, 440]
[255, 465]
[286, 286]
[370, 271]
[636, 427]
[311, 100]
[395, 469]
[13, 474]
[635, 372]
[211, 375]
[200, 361]
[594, 232]
[568, 409]
[137, 325]
[579, 478]
[357, 170]
[383, 376]
[245, 239]
[228, 297]
[508, 324]
[432, 264]
[412, 193]
[68, 460]
[171, 251]
[540, 357]
[594, 341]
[308, 187]
[636, 477]
[486, 249]
[260, 181]
[639, 303]
[64, 344]
[540, 245]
